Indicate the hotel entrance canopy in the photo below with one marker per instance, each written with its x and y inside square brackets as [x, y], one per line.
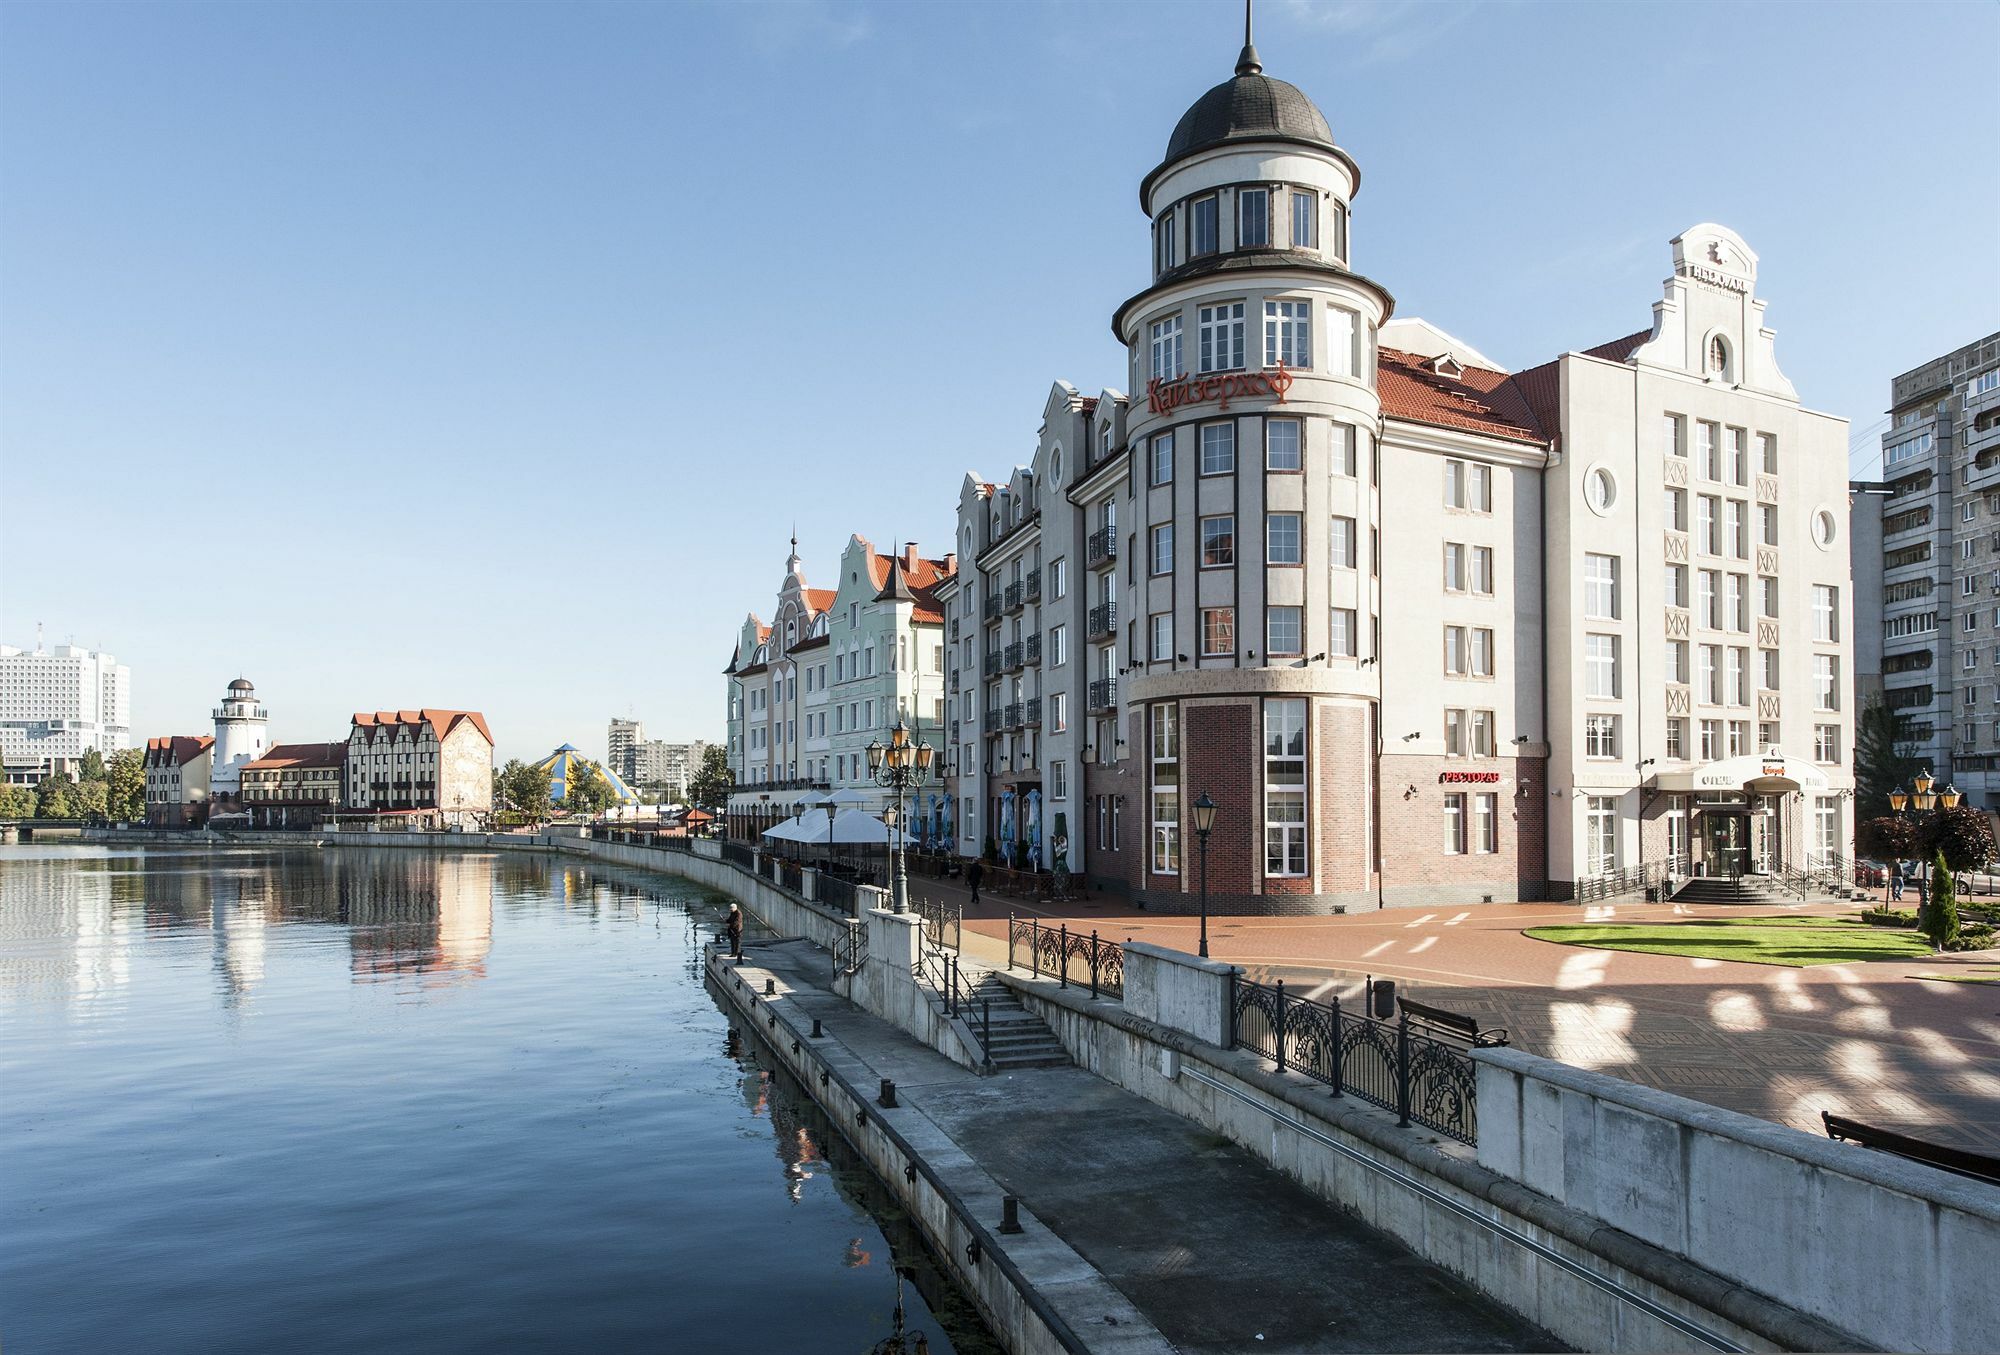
[1770, 774]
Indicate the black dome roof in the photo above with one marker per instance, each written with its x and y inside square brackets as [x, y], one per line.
[1246, 107]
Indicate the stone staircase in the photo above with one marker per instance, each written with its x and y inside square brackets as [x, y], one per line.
[1020, 1038]
[1721, 889]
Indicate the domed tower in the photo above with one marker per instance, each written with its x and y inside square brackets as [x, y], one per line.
[242, 734]
[1256, 511]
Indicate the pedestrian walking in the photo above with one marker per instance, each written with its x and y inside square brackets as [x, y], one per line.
[1896, 883]
[736, 931]
[973, 874]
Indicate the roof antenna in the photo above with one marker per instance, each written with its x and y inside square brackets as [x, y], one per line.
[1247, 63]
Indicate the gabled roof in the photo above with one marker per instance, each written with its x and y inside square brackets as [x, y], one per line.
[817, 600]
[442, 722]
[302, 755]
[179, 748]
[1475, 400]
[1540, 388]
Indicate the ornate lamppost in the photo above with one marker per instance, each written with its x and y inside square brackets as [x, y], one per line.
[900, 765]
[1204, 824]
[1924, 801]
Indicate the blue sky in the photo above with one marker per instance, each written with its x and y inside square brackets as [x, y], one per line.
[484, 356]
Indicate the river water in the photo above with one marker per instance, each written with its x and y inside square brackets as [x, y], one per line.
[303, 1101]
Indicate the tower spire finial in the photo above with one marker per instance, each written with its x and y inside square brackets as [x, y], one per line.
[1247, 62]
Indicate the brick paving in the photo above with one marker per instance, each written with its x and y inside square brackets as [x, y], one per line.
[1867, 1040]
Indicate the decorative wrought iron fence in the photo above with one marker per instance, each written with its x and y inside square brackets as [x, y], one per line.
[944, 923]
[1624, 880]
[1067, 956]
[1419, 1065]
[739, 854]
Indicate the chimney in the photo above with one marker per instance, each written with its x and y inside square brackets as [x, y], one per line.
[951, 562]
[910, 557]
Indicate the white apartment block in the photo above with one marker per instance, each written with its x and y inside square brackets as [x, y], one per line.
[56, 705]
[830, 673]
[1428, 630]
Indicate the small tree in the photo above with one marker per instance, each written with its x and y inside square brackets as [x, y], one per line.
[1878, 766]
[125, 782]
[93, 767]
[92, 797]
[528, 789]
[55, 797]
[1890, 838]
[1938, 919]
[711, 783]
[586, 790]
[17, 802]
[1964, 835]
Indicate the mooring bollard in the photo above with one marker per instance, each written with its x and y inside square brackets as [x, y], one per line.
[1010, 1214]
[888, 1094]
[770, 985]
[818, 1034]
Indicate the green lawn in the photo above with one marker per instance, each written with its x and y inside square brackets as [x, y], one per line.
[1791, 941]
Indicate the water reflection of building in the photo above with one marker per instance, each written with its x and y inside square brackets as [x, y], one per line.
[418, 915]
[63, 934]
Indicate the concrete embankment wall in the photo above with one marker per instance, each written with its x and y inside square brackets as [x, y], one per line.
[1016, 1311]
[1591, 1283]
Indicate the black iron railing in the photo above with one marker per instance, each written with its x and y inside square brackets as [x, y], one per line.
[835, 892]
[1066, 956]
[791, 876]
[1103, 620]
[991, 607]
[944, 923]
[1102, 694]
[1010, 657]
[1419, 1065]
[673, 842]
[1013, 596]
[937, 972]
[1625, 880]
[739, 854]
[850, 951]
[990, 665]
[1031, 649]
[1102, 546]
[1034, 583]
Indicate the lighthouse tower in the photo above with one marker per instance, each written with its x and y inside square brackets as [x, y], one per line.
[242, 735]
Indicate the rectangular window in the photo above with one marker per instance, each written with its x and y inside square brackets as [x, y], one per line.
[1218, 631]
[1204, 235]
[1482, 570]
[1454, 733]
[1600, 587]
[1709, 674]
[1600, 665]
[1486, 822]
[1826, 743]
[1733, 529]
[1600, 736]
[1733, 462]
[1767, 524]
[1163, 548]
[1677, 660]
[1283, 446]
[1739, 602]
[1341, 633]
[1218, 542]
[1058, 646]
[1826, 613]
[1468, 485]
[1481, 737]
[1163, 242]
[1288, 333]
[1305, 220]
[1454, 567]
[1767, 734]
[1454, 824]
[1285, 787]
[1342, 460]
[1166, 797]
[1707, 537]
[1166, 348]
[1707, 451]
[1707, 613]
[1677, 510]
[1163, 457]
[1161, 625]
[1253, 218]
[1673, 435]
[1482, 651]
[1739, 678]
[1600, 833]
[1677, 585]
[1340, 330]
[1771, 670]
[1058, 712]
[1341, 543]
[1284, 631]
[1283, 543]
[1677, 734]
[1739, 737]
[1220, 330]
[1455, 657]
[1711, 740]
[1767, 601]
[1826, 680]
[1218, 448]
[1058, 780]
[1767, 452]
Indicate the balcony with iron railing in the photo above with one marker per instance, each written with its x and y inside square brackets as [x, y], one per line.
[1102, 621]
[1101, 548]
[1015, 596]
[1103, 694]
[1010, 658]
[991, 607]
[990, 665]
[1031, 649]
[1034, 587]
[993, 721]
[1031, 712]
[1011, 717]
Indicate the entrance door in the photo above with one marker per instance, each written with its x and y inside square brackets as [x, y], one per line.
[1724, 842]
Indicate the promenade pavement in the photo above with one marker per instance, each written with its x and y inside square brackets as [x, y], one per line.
[1872, 1041]
[1153, 1203]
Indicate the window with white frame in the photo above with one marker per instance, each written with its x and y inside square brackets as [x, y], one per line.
[1287, 333]
[1163, 242]
[1677, 734]
[1826, 743]
[1739, 602]
[1166, 793]
[1161, 625]
[1218, 448]
[1676, 583]
[1283, 539]
[1342, 461]
[1480, 733]
[1600, 587]
[1673, 435]
[1454, 824]
[1284, 447]
[1204, 227]
[1305, 220]
[1341, 543]
[1341, 639]
[1734, 533]
[1711, 740]
[1482, 570]
[1600, 666]
[1708, 674]
[1826, 681]
[1708, 450]
[1826, 613]
[1600, 736]
[1058, 712]
[1166, 348]
[1771, 670]
[1454, 733]
[1454, 567]
[1253, 218]
[1737, 665]
[1163, 548]
[1739, 737]
[1219, 329]
[1218, 631]
[1735, 466]
[1767, 588]
[1600, 833]
[1707, 536]
[1677, 660]
[1826, 825]
[1767, 734]
[1455, 651]
[1284, 631]
[1058, 780]
[1285, 786]
[1218, 541]
[1468, 485]
[1058, 646]
[1482, 651]
[1767, 524]
[1340, 344]
[1675, 510]
[1163, 458]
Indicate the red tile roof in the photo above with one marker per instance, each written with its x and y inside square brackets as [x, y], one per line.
[818, 599]
[1476, 400]
[181, 748]
[441, 721]
[302, 755]
[1540, 388]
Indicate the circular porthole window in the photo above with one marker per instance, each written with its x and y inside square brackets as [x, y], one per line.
[1600, 489]
[1825, 530]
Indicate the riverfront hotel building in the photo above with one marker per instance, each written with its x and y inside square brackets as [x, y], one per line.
[1426, 630]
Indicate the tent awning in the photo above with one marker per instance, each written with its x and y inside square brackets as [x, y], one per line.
[1766, 775]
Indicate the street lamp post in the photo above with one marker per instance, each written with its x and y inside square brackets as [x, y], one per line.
[1204, 823]
[900, 765]
[1924, 801]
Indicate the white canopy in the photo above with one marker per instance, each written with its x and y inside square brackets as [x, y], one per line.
[851, 828]
[847, 797]
[791, 830]
[1766, 775]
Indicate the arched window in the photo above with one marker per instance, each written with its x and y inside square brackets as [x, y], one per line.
[1719, 364]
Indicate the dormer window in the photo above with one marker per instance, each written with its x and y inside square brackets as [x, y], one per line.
[1447, 366]
[1305, 220]
[1204, 235]
[1253, 218]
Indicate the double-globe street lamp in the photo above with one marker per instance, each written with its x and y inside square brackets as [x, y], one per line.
[900, 765]
[1924, 801]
